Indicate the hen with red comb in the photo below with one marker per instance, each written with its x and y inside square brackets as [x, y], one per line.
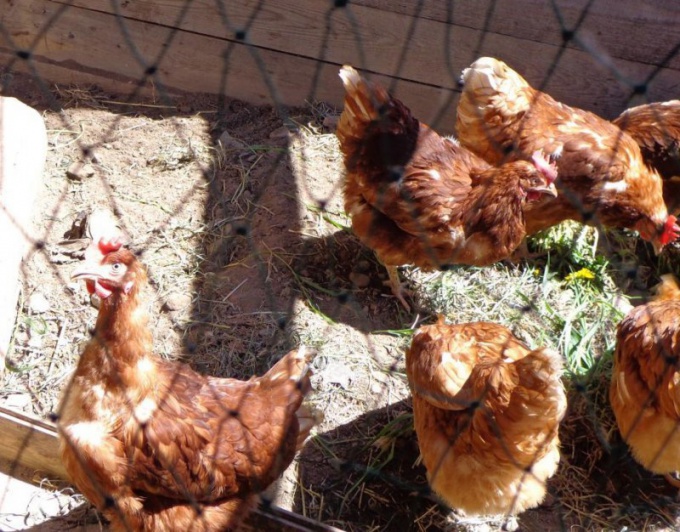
[156, 446]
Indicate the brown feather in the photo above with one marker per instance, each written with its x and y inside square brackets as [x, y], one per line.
[155, 445]
[645, 385]
[656, 129]
[486, 412]
[418, 198]
[602, 175]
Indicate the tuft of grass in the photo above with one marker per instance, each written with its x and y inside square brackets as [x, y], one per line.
[568, 300]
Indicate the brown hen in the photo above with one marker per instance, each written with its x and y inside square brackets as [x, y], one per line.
[156, 446]
[645, 386]
[656, 129]
[603, 178]
[415, 197]
[486, 411]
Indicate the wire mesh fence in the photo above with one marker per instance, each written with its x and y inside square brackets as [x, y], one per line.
[239, 213]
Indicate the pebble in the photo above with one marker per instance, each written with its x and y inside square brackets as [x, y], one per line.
[177, 301]
[95, 157]
[331, 122]
[363, 266]
[35, 341]
[360, 280]
[339, 374]
[72, 287]
[230, 143]
[79, 171]
[18, 402]
[38, 303]
[21, 338]
[280, 133]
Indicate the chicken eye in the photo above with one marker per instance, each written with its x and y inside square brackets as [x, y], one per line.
[116, 267]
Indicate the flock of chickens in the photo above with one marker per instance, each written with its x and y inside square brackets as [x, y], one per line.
[191, 452]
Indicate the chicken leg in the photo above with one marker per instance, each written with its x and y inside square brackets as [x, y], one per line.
[397, 287]
[672, 480]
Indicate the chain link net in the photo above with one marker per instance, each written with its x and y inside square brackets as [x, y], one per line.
[236, 209]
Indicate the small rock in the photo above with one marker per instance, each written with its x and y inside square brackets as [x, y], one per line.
[331, 122]
[230, 143]
[79, 171]
[18, 401]
[339, 374]
[622, 304]
[177, 301]
[72, 287]
[35, 341]
[363, 266]
[280, 133]
[360, 280]
[21, 338]
[38, 303]
[94, 157]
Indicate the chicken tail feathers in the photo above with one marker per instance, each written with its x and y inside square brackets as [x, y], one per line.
[375, 129]
[488, 78]
[362, 101]
[493, 93]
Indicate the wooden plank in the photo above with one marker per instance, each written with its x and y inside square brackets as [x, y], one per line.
[374, 39]
[30, 444]
[644, 32]
[88, 45]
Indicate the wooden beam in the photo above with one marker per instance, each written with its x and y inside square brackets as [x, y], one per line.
[644, 32]
[279, 64]
[425, 50]
[82, 44]
[30, 444]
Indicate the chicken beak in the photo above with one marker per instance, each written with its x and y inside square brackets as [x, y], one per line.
[669, 232]
[548, 190]
[92, 278]
[658, 247]
[86, 272]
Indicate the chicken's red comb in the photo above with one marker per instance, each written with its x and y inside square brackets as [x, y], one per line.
[671, 231]
[109, 244]
[548, 169]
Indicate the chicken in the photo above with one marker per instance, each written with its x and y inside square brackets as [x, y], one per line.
[656, 129]
[645, 386]
[153, 444]
[415, 197]
[486, 412]
[602, 175]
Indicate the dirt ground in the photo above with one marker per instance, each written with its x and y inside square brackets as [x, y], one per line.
[238, 216]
